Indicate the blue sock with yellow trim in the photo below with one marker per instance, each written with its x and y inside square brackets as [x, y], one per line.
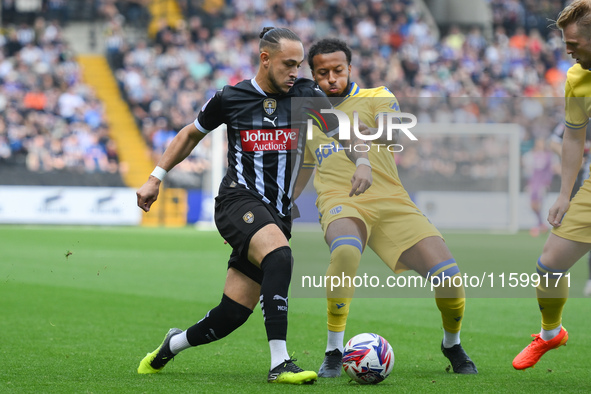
[552, 293]
[450, 299]
[345, 255]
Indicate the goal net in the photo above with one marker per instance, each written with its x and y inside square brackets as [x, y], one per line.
[464, 176]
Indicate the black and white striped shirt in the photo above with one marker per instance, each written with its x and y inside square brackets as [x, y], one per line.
[265, 140]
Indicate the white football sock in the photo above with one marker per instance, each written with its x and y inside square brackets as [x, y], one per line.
[278, 352]
[179, 343]
[335, 340]
[550, 334]
[450, 339]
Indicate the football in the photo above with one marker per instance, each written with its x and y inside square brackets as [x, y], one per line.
[368, 358]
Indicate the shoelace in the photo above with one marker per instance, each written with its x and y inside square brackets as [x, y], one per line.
[333, 361]
[536, 338]
[289, 364]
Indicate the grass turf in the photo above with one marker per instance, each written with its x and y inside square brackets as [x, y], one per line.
[81, 322]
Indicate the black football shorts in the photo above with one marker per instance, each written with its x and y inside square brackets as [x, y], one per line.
[239, 214]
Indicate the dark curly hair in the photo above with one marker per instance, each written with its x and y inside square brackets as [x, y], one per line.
[328, 45]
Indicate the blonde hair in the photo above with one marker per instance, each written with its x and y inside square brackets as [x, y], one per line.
[579, 12]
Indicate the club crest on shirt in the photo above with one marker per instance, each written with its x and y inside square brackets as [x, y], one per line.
[336, 210]
[248, 217]
[269, 105]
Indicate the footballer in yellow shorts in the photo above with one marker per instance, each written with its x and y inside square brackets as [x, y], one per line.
[384, 217]
[571, 220]
[576, 222]
[393, 223]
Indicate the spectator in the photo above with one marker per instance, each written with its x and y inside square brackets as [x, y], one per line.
[49, 120]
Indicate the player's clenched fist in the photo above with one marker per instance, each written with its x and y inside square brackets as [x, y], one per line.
[558, 210]
[148, 193]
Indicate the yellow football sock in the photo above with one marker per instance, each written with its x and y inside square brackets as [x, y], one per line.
[338, 311]
[552, 295]
[451, 301]
[344, 261]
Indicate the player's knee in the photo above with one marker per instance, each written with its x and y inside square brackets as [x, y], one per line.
[278, 260]
[446, 279]
[235, 314]
[548, 267]
[346, 258]
[553, 281]
[264, 242]
[443, 272]
[345, 254]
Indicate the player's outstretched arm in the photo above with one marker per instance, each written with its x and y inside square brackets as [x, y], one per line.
[573, 144]
[180, 147]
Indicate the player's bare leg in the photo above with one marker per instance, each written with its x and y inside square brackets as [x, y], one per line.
[560, 253]
[431, 258]
[242, 289]
[264, 241]
[346, 239]
[557, 257]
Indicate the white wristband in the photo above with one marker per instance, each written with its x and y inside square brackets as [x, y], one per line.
[362, 160]
[159, 173]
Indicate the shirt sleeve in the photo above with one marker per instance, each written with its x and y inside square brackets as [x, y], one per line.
[574, 109]
[385, 102]
[211, 114]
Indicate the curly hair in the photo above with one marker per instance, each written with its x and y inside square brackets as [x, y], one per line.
[328, 45]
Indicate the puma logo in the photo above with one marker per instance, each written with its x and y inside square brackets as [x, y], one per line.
[265, 119]
[281, 307]
[278, 297]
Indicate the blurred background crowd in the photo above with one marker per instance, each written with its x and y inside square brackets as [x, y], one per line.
[512, 70]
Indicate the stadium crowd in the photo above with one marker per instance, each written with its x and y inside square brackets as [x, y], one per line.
[49, 119]
[393, 46]
[168, 77]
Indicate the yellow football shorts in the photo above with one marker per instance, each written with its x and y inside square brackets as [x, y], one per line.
[394, 223]
[576, 223]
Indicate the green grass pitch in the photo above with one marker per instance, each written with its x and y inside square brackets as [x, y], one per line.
[80, 306]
